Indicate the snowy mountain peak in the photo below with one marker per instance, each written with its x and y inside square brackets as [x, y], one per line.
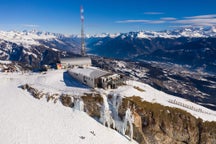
[195, 32]
[181, 32]
[26, 38]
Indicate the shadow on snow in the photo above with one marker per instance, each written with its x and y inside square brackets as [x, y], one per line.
[71, 82]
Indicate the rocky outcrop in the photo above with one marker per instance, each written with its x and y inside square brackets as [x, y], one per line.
[162, 125]
[93, 103]
[34, 92]
[67, 100]
[152, 122]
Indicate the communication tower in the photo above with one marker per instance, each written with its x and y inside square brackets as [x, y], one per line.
[83, 53]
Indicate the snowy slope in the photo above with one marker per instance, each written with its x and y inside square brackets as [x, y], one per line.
[24, 119]
[155, 96]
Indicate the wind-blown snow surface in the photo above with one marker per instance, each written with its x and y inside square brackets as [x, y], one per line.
[26, 120]
[155, 96]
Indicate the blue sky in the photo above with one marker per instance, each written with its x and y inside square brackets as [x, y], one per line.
[101, 16]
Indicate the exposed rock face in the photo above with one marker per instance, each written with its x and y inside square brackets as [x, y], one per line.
[157, 124]
[93, 104]
[160, 124]
[208, 134]
[34, 92]
[137, 120]
[152, 122]
[66, 100]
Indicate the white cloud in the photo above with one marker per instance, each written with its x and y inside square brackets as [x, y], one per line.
[153, 13]
[30, 25]
[202, 16]
[168, 18]
[179, 26]
[199, 20]
[141, 21]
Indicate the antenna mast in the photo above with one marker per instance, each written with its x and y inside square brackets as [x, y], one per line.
[83, 53]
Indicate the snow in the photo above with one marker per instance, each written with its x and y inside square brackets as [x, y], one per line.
[214, 29]
[129, 119]
[29, 53]
[196, 32]
[79, 105]
[114, 35]
[25, 38]
[99, 43]
[155, 96]
[142, 35]
[106, 117]
[2, 53]
[55, 82]
[5, 62]
[103, 35]
[24, 119]
[120, 64]
[123, 37]
[91, 72]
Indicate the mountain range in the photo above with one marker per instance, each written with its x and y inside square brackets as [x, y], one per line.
[191, 46]
[176, 33]
[34, 47]
[161, 104]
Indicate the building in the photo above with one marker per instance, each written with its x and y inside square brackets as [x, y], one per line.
[78, 61]
[94, 77]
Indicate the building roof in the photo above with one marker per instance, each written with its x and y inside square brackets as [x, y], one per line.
[76, 61]
[91, 72]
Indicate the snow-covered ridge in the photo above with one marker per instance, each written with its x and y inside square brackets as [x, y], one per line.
[193, 32]
[52, 82]
[27, 38]
[26, 120]
[155, 96]
[103, 35]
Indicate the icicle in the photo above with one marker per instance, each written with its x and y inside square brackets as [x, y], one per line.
[106, 117]
[116, 102]
[79, 105]
[128, 119]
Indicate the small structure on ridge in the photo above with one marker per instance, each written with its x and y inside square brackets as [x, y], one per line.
[96, 78]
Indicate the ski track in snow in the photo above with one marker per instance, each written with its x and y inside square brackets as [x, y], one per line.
[26, 120]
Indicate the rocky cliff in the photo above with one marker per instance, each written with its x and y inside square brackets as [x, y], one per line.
[152, 123]
[162, 125]
[157, 124]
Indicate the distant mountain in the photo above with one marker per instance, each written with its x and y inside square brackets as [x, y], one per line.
[35, 47]
[36, 38]
[192, 32]
[194, 46]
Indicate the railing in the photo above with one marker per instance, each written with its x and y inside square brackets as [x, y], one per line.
[189, 107]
